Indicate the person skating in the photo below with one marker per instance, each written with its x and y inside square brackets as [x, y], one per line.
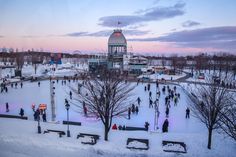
[187, 113]
[136, 109]
[167, 112]
[150, 94]
[139, 100]
[164, 89]
[145, 88]
[146, 125]
[175, 100]
[21, 112]
[129, 112]
[70, 95]
[84, 108]
[21, 85]
[150, 103]
[7, 107]
[38, 84]
[166, 99]
[133, 108]
[165, 126]
[148, 88]
[16, 85]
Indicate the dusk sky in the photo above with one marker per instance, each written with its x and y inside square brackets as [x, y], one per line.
[150, 26]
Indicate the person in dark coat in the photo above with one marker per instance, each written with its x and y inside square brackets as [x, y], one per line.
[6, 89]
[150, 103]
[37, 115]
[120, 127]
[21, 85]
[44, 116]
[139, 100]
[16, 85]
[164, 89]
[145, 88]
[38, 84]
[136, 109]
[165, 126]
[70, 95]
[123, 128]
[129, 112]
[22, 112]
[133, 108]
[150, 94]
[7, 107]
[85, 108]
[166, 99]
[187, 113]
[146, 125]
[167, 111]
[148, 88]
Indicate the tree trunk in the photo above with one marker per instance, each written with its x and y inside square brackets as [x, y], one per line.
[209, 138]
[35, 68]
[106, 132]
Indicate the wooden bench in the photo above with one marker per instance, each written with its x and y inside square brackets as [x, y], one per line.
[12, 116]
[71, 123]
[60, 133]
[145, 141]
[94, 138]
[130, 128]
[175, 142]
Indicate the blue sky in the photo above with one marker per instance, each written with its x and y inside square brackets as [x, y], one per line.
[150, 26]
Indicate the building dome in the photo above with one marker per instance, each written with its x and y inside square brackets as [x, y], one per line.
[117, 38]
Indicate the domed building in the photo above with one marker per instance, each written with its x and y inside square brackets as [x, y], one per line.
[117, 58]
[117, 47]
[117, 44]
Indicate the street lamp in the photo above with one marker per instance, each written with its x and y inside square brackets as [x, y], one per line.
[39, 127]
[67, 108]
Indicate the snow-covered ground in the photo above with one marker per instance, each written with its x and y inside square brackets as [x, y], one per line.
[19, 137]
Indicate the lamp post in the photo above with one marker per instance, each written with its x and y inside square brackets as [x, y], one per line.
[67, 108]
[39, 127]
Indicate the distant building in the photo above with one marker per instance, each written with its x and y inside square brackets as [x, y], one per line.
[118, 58]
[117, 47]
[97, 63]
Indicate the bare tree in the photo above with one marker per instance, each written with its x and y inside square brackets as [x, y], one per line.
[208, 103]
[105, 97]
[228, 120]
[19, 58]
[36, 60]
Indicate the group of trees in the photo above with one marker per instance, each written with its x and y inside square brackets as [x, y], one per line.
[215, 107]
[202, 62]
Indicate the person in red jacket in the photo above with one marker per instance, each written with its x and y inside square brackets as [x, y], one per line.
[114, 127]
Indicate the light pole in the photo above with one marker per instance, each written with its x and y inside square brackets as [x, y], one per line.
[39, 127]
[67, 105]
